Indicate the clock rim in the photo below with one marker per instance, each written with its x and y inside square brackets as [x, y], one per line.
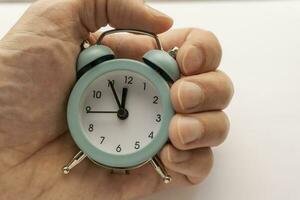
[74, 119]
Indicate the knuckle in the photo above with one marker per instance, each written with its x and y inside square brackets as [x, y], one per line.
[224, 129]
[175, 96]
[228, 88]
[208, 162]
[209, 44]
[215, 41]
[194, 180]
[193, 30]
[210, 158]
[175, 140]
[181, 146]
[206, 166]
[173, 133]
[225, 88]
[208, 35]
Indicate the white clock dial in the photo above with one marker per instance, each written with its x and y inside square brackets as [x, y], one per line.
[100, 121]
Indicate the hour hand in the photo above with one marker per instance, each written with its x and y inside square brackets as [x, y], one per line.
[123, 112]
[114, 93]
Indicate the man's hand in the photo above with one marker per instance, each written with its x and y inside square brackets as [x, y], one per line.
[37, 72]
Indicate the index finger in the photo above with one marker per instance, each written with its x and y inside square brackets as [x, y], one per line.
[199, 50]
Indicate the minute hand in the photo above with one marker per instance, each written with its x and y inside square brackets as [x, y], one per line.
[115, 94]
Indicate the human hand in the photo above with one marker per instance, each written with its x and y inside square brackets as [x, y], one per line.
[37, 71]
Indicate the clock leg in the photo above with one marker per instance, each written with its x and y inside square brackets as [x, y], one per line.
[80, 156]
[160, 168]
[173, 52]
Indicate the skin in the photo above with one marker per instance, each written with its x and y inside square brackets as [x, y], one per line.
[37, 72]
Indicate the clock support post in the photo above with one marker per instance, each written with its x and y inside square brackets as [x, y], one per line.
[80, 156]
[155, 161]
[160, 169]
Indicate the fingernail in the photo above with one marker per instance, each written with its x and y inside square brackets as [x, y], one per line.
[192, 60]
[189, 129]
[189, 94]
[177, 156]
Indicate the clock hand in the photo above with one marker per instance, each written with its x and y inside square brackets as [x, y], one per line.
[101, 111]
[122, 112]
[115, 94]
[124, 96]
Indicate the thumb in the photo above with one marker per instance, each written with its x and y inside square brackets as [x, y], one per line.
[122, 14]
[77, 18]
[74, 20]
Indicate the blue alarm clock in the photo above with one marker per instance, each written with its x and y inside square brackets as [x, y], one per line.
[120, 109]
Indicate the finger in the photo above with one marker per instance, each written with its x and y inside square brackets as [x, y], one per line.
[194, 164]
[199, 50]
[203, 92]
[198, 130]
[126, 45]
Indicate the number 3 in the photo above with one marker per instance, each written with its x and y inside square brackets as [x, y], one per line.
[158, 119]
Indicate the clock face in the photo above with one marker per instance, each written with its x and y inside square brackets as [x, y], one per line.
[121, 112]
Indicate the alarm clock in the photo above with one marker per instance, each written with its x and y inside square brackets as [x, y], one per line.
[119, 110]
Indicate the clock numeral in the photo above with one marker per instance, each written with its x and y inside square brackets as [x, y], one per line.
[158, 119]
[150, 135]
[145, 86]
[97, 94]
[88, 109]
[118, 149]
[102, 138]
[128, 80]
[137, 145]
[91, 127]
[155, 100]
[110, 82]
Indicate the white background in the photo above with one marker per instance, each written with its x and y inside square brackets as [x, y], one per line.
[261, 158]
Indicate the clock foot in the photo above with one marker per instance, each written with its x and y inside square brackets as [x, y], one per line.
[173, 52]
[80, 156]
[160, 168]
